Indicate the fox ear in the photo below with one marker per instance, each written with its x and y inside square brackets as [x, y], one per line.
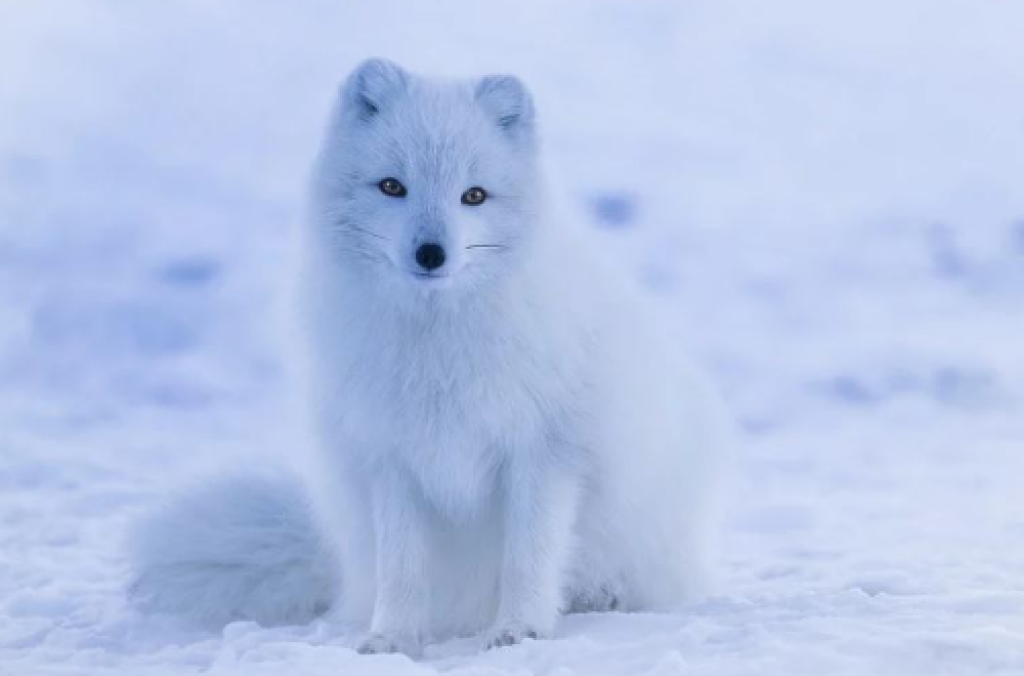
[506, 99]
[371, 85]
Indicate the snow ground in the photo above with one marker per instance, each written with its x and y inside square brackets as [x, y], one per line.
[826, 197]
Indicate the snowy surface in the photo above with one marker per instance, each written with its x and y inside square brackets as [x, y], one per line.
[827, 198]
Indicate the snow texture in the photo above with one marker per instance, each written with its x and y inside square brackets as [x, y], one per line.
[825, 198]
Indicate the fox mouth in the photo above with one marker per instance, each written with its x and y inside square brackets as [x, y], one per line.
[431, 280]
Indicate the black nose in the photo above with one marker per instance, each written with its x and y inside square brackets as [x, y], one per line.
[430, 256]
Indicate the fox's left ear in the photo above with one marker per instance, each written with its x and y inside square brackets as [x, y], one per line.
[506, 99]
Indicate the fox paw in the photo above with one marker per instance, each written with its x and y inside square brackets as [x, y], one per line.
[601, 600]
[381, 644]
[506, 635]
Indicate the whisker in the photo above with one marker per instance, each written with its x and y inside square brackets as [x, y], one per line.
[486, 246]
[359, 254]
[367, 232]
[353, 247]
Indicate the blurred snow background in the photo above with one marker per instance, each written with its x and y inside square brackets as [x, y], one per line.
[827, 198]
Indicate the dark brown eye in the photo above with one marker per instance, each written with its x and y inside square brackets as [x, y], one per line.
[474, 196]
[392, 187]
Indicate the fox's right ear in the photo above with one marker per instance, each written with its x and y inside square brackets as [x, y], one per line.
[370, 86]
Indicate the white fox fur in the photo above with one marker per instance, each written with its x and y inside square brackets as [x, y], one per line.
[506, 436]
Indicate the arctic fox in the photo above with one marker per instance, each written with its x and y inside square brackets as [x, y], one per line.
[503, 430]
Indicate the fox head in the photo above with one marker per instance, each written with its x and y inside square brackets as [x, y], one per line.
[431, 185]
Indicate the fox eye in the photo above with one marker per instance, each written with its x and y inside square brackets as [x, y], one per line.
[392, 187]
[474, 196]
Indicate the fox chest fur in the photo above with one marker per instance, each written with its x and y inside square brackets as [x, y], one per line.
[446, 394]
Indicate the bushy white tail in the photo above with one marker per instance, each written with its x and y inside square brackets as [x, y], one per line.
[243, 548]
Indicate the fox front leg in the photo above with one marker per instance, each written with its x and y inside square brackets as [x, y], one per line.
[539, 511]
[402, 592]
